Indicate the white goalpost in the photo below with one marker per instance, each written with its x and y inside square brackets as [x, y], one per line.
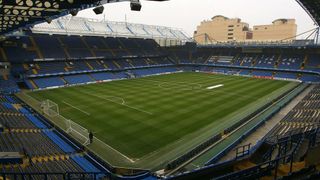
[50, 108]
[80, 133]
[77, 131]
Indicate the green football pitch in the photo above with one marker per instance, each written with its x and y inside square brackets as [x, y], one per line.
[162, 115]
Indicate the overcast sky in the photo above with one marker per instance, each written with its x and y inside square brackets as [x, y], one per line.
[187, 14]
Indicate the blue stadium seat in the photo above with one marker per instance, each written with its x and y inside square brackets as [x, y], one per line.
[60, 142]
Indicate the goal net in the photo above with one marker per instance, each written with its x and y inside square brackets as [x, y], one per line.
[78, 132]
[50, 108]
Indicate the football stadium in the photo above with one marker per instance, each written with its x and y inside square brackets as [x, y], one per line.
[84, 98]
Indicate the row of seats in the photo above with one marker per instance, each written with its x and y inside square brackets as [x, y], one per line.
[66, 80]
[285, 61]
[6, 107]
[63, 80]
[150, 71]
[55, 67]
[57, 167]
[31, 143]
[8, 99]
[303, 117]
[270, 61]
[77, 55]
[16, 121]
[46, 82]
[8, 84]
[38, 46]
[42, 148]
[257, 73]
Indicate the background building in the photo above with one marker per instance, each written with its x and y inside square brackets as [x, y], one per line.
[222, 29]
[280, 29]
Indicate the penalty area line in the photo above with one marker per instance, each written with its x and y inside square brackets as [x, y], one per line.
[88, 114]
[122, 104]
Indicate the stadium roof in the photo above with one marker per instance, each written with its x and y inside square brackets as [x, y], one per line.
[69, 25]
[313, 9]
[15, 14]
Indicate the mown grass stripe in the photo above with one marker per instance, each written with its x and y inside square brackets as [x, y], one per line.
[174, 112]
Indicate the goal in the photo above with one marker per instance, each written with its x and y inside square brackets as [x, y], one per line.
[78, 132]
[50, 108]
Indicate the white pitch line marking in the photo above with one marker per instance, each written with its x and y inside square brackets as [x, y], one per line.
[214, 87]
[114, 97]
[190, 86]
[123, 103]
[88, 114]
[132, 161]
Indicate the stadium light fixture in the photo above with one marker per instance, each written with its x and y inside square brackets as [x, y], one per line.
[48, 20]
[74, 12]
[135, 5]
[98, 10]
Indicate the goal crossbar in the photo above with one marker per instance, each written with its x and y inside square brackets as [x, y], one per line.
[51, 109]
